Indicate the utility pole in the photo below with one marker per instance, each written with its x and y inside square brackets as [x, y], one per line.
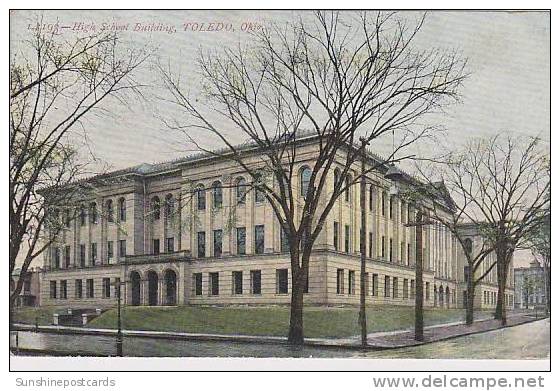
[419, 299]
[362, 316]
[118, 285]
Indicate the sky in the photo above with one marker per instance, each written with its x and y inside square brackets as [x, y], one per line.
[508, 53]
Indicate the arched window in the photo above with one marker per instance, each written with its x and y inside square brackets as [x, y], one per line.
[93, 213]
[336, 178]
[259, 192]
[82, 213]
[110, 212]
[200, 197]
[156, 207]
[122, 209]
[241, 190]
[169, 205]
[304, 178]
[468, 245]
[217, 195]
[347, 191]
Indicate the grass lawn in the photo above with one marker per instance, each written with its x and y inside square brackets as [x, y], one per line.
[43, 315]
[273, 321]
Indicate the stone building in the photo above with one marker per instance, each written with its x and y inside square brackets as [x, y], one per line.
[186, 232]
[30, 292]
[530, 286]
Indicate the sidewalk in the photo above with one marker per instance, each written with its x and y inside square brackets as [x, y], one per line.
[380, 340]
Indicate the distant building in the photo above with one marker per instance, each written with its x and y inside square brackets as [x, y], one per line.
[31, 289]
[529, 286]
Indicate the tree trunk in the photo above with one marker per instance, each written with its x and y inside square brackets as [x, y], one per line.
[469, 314]
[362, 315]
[295, 333]
[500, 304]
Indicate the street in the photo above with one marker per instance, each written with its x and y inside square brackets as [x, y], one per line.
[528, 341]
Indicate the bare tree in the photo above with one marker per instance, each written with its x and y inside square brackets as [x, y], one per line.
[338, 77]
[54, 85]
[498, 185]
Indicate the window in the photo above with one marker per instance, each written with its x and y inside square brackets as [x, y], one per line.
[405, 288]
[259, 239]
[170, 244]
[67, 257]
[336, 178]
[110, 211]
[52, 289]
[217, 242]
[217, 195]
[284, 242]
[427, 291]
[93, 213]
[89, 288]
[201, 244]
[156, 208]
[197, 283]
[259, 195]
[403, 212]
[78, 294]
[122, 248]
[339, 281]
[106, 288]
[335, 235]
[403, 257]
[214, 283]
[282, 281]
[395, 287]
[241, 236]
[122, 209]
[169, 205]
[412, 289]
[201, 197]
[391, 206]
[387, 286]
[155, 246]
[304, 178]
[241, 190]
[383, 203]
[351, 282]
[408, 252]
[117, 287]
[82, 255]
[255, 282]
[347, 238]
[93, 253]
[370, 245]
[375, 285]
[63, 289]
[383, 247]
[237, 283]
[371, 197]
[110, 251]
[82, 215]
[347, 192]
[390, 250]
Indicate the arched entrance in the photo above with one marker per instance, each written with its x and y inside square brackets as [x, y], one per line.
[447, 296]
[170, 278]
[441, 296]
[152, 288]
[135, 288]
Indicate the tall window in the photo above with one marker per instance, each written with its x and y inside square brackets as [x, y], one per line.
[169, 205]
[67, 257]
[335, 235]
[403, 212]
[155, 246]
[170, 244]
[387, 286]
[82, 255]
[156, 208]
[390, 250]
[237, 282]
[93, 213]
[371, 197]
[395, 287]
[201, 244]
[122, 248]
[63, 289]
[201, 198]
[339, 281]
[241, 190]
[89, 288]
[408, 251]
[347, 191]
[282, 281]
[110, 211]
[284, 242]
[78, 294]
[383, 203]
[197, 283]
[412, 289]
[82, 215]
[405, 288]
[347, 238]
[370, 244]
[93, 253]
[122, 209]
[304, 178]
[259, 195]
[52, 289]
[217, 243]
[217, 195]
[241, 239]
[427, 291]
[391, 206]
[110, 251]
[383, 247]
[214, 283]
[106, 288]
[259, 239]
[375, 285]
[351, 282]
[255, 282]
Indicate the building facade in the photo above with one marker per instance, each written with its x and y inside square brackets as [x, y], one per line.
[530, 286]
[30, 294]
[187, 233]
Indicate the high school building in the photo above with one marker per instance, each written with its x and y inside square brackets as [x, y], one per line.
[188, 233]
